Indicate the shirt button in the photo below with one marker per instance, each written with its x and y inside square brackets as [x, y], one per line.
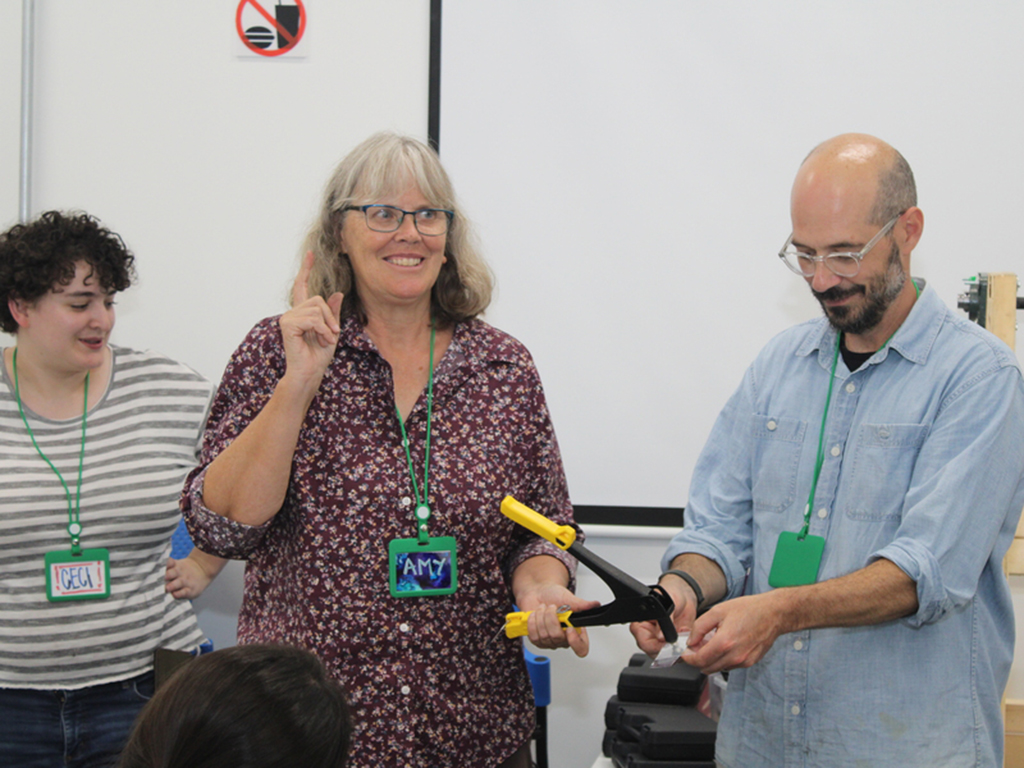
[771, 426]
[851, 387]
[822, 513]
[403, 627]
[883, 433]
[835, 450]
[406, 690]
[406, 501]
[798, 645]
[795, 709]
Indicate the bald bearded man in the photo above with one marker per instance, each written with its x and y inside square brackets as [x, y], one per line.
[849, 514]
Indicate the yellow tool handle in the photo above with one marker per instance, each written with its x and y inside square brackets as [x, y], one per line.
[561, 536]
[515, 623]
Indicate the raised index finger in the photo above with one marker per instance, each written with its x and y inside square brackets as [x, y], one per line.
[300, 288]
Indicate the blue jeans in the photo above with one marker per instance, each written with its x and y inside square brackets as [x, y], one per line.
[86, 728]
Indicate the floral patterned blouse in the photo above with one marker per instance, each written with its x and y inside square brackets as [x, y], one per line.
[432, 680]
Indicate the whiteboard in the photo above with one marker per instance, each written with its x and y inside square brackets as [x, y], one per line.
[629, 168]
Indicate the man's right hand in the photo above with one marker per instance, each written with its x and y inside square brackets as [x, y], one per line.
[648, 634]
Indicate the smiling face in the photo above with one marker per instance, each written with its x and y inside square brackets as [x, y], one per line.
[393, 269]
[832, 209]
[69, 326]
[860, 307]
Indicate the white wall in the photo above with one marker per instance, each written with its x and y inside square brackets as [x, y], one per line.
[562, 123]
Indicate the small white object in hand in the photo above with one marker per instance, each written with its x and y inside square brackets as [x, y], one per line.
[670, 652]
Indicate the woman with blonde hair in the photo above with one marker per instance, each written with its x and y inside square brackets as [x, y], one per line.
[357, 454]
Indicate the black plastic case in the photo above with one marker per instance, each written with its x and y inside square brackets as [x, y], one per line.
[679, 684]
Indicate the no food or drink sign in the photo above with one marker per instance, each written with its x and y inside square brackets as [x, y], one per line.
[271, 29]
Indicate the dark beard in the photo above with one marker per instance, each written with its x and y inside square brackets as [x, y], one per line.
[880, 293]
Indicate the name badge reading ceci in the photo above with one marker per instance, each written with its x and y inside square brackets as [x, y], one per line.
[85, 576]
[422, 569]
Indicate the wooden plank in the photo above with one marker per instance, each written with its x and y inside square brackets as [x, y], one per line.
[1001, 319]
[1014, 727]
[1001, 307]
[1014, 562]
[1015, 716]
[1014, 746]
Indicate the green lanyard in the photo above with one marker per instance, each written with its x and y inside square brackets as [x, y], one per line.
[821, 434]
[74, 511]
[821, 444]
[422, 512]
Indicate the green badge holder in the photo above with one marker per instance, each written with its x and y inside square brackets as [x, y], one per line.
[796, 560]
[77, 576]
[422, 568]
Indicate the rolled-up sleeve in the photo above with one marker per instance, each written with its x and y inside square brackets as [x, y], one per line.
[249, 380]
[215, 533]
[955, 517]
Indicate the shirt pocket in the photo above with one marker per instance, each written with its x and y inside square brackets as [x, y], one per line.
[884, 457]
[777, 444]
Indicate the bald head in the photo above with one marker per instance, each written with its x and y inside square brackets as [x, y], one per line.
[859, 170]
[846, 192]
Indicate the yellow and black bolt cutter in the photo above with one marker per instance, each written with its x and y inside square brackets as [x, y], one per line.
[633, 601]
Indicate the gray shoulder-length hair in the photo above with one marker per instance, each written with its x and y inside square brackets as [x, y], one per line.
[381, 165]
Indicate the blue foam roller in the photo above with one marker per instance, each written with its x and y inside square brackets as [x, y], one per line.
[539, 668]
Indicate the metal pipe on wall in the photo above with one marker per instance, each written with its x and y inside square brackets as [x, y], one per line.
[25, 179]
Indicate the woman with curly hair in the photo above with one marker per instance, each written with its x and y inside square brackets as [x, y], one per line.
[95, 441]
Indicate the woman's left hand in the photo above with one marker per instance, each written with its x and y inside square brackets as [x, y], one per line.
[544, 601]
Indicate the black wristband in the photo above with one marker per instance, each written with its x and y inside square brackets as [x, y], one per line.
[689, 580]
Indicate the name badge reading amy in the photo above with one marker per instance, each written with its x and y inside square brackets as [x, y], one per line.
[85, 576]
[422, 569]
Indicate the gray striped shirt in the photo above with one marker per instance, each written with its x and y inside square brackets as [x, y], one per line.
[142, 439]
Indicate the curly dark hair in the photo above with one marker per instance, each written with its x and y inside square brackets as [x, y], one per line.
[40, 255]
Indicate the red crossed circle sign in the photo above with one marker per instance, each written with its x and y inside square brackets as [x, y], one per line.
[291, 37]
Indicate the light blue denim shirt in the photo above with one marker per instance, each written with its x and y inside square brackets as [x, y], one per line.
[924, 466]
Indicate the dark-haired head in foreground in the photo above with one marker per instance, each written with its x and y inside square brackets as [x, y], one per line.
[250, 706]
